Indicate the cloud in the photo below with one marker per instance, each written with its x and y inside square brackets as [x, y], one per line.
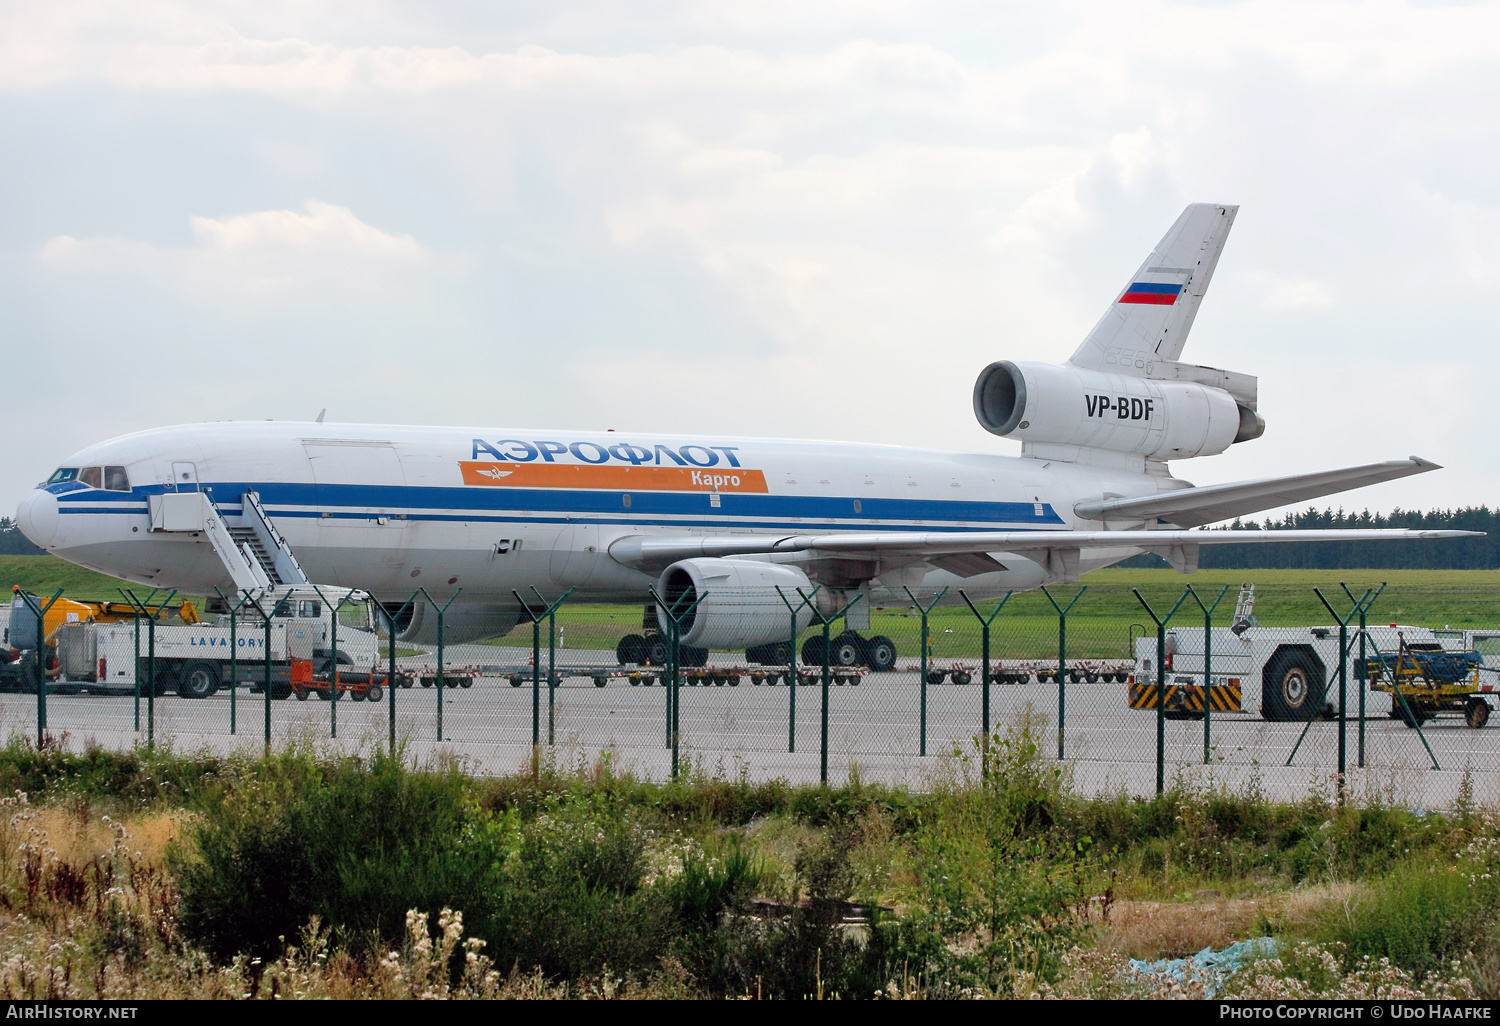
[1288, 292]
[247, 261]
[841, 211]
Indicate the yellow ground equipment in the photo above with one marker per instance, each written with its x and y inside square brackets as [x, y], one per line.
[66, 610]
[1425, 680]
[1185, 697]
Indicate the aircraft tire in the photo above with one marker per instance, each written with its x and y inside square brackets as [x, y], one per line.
[632, 649]
[880, 653]
[848, 650]
[812, 650]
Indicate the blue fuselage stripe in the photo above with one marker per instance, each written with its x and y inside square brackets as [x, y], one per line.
[508, 505]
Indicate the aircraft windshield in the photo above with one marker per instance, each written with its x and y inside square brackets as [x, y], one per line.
[116, 480]
[62, 474]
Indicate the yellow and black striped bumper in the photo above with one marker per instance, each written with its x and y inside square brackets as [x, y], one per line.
[1223, 696]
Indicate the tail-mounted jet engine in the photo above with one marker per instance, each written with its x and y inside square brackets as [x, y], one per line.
[1063, 404]
[738, 604]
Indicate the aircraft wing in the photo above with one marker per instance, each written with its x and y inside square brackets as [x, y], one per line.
[1194, 507]
[1059, 549]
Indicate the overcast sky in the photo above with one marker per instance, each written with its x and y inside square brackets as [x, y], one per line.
[775, 217]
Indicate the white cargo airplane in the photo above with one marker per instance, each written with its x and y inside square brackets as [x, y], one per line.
[493, 511]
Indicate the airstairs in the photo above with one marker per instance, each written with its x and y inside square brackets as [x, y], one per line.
[249, 545]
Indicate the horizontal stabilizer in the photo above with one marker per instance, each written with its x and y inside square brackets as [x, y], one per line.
[658, 553]
[1194, 507]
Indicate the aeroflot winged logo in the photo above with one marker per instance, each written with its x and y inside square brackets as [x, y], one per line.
[515, 463]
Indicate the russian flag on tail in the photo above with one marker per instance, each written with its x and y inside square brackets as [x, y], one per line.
[1151, 294]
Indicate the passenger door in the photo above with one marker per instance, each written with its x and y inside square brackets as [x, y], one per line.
[184, 476]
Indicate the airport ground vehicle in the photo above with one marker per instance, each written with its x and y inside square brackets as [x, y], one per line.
[1293, 669]
[109, 653]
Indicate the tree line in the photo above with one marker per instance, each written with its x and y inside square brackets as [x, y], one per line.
[1444, 554]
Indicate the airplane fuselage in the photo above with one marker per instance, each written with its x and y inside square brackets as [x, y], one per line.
[388, 509]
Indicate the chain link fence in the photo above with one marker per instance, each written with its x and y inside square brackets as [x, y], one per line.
[1191, 690]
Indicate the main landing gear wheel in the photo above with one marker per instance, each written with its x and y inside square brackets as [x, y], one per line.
[812, 650]
[880, 652]
[848, 650]
[632, 649]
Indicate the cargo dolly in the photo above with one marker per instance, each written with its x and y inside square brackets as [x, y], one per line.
[689, 676]
[1424, 682]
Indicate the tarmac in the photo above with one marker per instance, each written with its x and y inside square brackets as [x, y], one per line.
[875, 731]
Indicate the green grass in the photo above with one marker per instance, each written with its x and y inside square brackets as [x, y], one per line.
[981, 885]
[45, 574]
[1098, 627]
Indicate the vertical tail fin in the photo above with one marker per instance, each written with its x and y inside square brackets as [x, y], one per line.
[1150, 319]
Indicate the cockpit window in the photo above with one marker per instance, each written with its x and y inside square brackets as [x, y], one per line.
[116, 480]
[62, 474]
[92, 476]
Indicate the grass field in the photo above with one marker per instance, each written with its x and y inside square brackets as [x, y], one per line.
[160, 874]
[1099, 626]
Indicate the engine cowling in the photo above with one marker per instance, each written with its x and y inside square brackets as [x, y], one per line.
[418, 623]
[738, 605]
[1064, 404]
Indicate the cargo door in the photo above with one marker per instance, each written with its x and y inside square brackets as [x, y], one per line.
[359, 492]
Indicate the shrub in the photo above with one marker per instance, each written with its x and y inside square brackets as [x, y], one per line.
[355, 844]
[1421, 917]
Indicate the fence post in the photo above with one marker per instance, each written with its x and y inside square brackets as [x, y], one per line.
[442, 611]
[151, 615]
[984, 680]
[1062, 660]
[551, 677]
[792, 677]
[1208, 705]
[234, 652]
[536, 659]
[827, 622]
[1343, 622]
[266, 653]
[234, 664]
[390, 680]
[40, 612]
[674, 616]
[1362, 606]
[136, 666]
[1161, 683]
[926, 644]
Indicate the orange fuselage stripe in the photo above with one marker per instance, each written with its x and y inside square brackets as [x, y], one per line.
[626, 479]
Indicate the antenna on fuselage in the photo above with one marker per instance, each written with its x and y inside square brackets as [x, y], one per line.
[320, 415]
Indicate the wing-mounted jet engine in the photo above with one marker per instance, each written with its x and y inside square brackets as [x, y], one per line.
[738, 604]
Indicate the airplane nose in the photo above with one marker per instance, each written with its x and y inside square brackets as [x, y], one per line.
[37, 517]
